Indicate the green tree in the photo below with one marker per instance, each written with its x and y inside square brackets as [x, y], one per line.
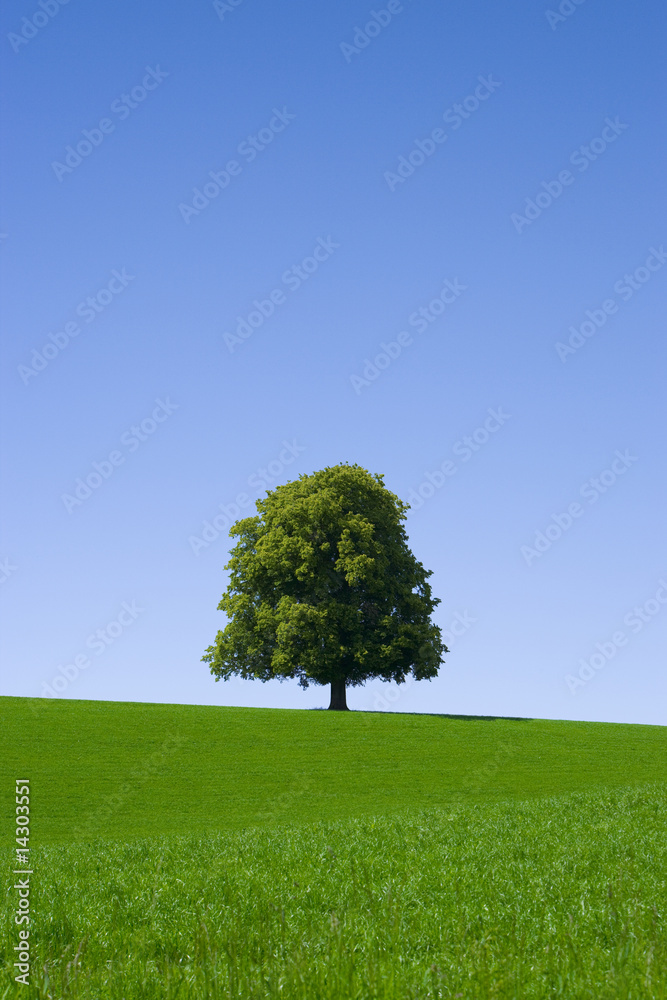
[323, 587]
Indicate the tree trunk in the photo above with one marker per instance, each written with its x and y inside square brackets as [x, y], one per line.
[338, 699]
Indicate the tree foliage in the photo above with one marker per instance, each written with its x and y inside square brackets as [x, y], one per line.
[324, 588]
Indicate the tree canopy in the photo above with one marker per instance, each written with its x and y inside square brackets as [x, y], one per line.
[324, 588]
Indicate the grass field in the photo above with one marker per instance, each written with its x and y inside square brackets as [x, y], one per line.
[201, 852]
[124, 770]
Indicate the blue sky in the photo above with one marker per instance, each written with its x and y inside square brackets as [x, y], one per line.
[420, 237]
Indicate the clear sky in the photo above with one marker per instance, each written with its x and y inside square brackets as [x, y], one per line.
[245, 240]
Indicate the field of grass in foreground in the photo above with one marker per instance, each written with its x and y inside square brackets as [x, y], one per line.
[560, 897]
[123, 770]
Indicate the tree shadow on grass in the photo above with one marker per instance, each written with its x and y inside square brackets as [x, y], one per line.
[433, 715]
[458, 718]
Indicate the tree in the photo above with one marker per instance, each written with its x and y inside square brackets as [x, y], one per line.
[324, 588]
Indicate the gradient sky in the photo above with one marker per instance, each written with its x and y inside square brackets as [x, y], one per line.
[541, 201]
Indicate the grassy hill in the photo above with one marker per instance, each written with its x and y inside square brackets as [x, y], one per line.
[124, 770]
[183, 853]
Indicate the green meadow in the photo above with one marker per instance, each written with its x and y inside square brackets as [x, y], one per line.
[195, 852]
